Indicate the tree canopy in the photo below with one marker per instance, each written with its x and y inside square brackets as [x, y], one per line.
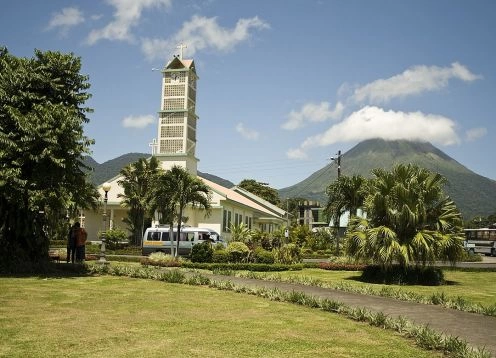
[262, 190]
[42, 114]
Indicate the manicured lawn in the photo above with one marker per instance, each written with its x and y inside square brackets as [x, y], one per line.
[476, 287]
[123, 317]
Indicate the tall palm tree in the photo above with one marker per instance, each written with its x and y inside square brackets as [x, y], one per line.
[409, 219]
[345, 194]
[188, 190]
[163, 201]
[137, 182]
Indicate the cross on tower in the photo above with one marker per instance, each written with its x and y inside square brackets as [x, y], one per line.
[154, 146]
[181, 46]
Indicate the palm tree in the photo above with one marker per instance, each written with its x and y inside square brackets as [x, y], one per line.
[409, 220]
[187, 190]
[163, 200]
[345, 194]
[137, 182]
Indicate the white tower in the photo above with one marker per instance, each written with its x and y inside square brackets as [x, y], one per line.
[177, 117]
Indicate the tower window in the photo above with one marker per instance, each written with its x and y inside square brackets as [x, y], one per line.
[173, 103]
[171, 131]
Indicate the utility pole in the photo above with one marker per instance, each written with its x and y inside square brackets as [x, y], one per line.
[336, 224]
[337, 159]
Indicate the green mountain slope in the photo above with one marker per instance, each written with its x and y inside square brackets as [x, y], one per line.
[111, 168]
[474, 194]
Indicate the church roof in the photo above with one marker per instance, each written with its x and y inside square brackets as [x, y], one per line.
[230, 194]
[176, 63]
[260, 200]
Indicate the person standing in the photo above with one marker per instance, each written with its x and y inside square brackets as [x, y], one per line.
[71, 244]
[81, 236]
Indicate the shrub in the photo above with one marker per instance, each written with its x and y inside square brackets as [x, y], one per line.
[114, 238]
[263, 256]
[237, 251]
[161, 259]
[410, 275]
[220, 256]
[287, 254]
[202, 252]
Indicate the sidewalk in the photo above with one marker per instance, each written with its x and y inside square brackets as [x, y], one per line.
[478, 330]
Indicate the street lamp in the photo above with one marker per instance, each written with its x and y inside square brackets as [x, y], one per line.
[106, 188]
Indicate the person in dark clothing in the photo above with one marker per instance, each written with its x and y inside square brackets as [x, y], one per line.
[81, 236]
[71, 244]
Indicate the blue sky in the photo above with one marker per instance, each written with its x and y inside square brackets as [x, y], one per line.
[284, 84]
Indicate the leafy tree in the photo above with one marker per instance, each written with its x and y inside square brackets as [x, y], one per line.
[188, 190]
[263, 190]
[42, 145]
[409, 219]
[137, 182]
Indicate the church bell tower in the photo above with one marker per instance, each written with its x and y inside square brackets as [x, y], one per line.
[177, 118]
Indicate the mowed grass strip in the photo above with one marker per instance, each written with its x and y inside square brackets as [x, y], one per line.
[123, 317]
[476, 287]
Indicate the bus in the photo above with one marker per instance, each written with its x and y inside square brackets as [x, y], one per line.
[156, 239]
[481, 241]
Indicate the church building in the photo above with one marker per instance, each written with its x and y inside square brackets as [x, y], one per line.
[176, 145]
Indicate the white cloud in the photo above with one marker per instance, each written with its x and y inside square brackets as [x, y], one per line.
[203, 33]
[475, 133]
[249, 134]
[127, 15]
[297, 153]
[313, 112]
[65, 19]
[373, 122]
[414, 80]
[138, 121]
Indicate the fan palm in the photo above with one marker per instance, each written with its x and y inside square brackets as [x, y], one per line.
[409, 220]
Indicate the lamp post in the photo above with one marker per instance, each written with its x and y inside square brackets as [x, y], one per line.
[106, 188]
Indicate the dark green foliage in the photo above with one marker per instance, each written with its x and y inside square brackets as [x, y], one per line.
[220, 256]
[202, 252]
[42, 144]
[261, 190]
[410, 275]
[263, 256]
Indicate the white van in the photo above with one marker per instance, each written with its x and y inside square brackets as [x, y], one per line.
[156, 239]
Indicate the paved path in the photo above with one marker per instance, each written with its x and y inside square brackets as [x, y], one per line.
[478, 330]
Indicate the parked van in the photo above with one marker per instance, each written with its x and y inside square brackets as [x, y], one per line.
[156, 239]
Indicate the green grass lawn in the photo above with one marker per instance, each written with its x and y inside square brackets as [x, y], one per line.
[123, 317]
[476, 287]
